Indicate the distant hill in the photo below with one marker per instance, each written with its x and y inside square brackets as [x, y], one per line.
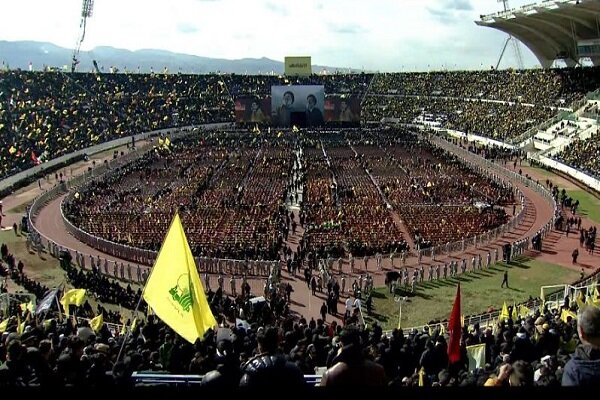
[19, 54]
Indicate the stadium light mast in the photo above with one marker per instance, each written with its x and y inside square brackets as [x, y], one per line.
[514, 42]
[86, 12]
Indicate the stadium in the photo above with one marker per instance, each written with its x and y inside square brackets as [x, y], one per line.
[429, 229]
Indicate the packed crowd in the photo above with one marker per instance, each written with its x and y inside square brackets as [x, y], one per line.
[542, 87]
[49, 114]
[44, 115]
[583, 155]
[228, 188]
[231, 188]
[499, 121]
[257, 344]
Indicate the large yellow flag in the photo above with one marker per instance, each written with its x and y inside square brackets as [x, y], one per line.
[515, 316]
[97, 322]
[73, 296]
[504, 315]
[174, 290]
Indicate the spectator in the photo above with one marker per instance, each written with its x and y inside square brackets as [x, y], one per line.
[584, 367]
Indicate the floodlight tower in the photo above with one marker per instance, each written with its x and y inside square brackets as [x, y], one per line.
[514, 42]
[86, 12]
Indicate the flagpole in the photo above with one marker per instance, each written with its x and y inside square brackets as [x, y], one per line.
[129, 330]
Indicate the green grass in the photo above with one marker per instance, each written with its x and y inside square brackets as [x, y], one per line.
[479, 290]
[589, 205]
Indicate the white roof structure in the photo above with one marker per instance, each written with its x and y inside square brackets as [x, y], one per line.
[552, 29]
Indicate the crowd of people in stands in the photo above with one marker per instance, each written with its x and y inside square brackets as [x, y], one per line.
[542, 87]
[257, 344]
[583, 155]
[44, 115]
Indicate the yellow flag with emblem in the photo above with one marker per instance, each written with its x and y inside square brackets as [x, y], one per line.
[97, 322]
[174, 290]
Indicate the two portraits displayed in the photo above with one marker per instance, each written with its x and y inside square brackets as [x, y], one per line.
[299, 105]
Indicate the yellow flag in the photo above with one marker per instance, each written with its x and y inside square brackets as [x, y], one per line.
[421, 377]
[174, 290]
[595, 293]
[134, 324]
[476, 355]
[73, 296]
[167, 142]
[524, 311]
[442, 329]
[579, 300]
[515, 316]
[20, 325]
[566, 313]
[97, 322]
[504, 313]
[462, 320]
[160, 142]
[27, 306]
[4, 325]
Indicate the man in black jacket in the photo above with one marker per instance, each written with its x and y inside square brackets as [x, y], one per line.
[583, 369]
[271, 367]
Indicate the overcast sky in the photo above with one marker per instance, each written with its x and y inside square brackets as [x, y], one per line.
[376, 35]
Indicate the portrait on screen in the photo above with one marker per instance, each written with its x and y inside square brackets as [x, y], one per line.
[300, 105]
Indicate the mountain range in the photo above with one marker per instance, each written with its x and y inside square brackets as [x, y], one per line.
[18, 54]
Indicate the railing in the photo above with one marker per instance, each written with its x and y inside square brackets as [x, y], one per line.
[487, 318]
[158, 378]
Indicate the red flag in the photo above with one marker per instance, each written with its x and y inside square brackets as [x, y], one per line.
[455, 330]
[36, 161]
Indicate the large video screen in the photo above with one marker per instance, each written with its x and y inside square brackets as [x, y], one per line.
[253, 110]
[342, 109]
[302, 105]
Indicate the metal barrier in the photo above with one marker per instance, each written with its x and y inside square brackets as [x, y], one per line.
[159, 378]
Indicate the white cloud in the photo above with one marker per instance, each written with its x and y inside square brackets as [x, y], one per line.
[385, 35]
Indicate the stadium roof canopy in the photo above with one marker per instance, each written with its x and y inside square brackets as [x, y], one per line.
[553, 29]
